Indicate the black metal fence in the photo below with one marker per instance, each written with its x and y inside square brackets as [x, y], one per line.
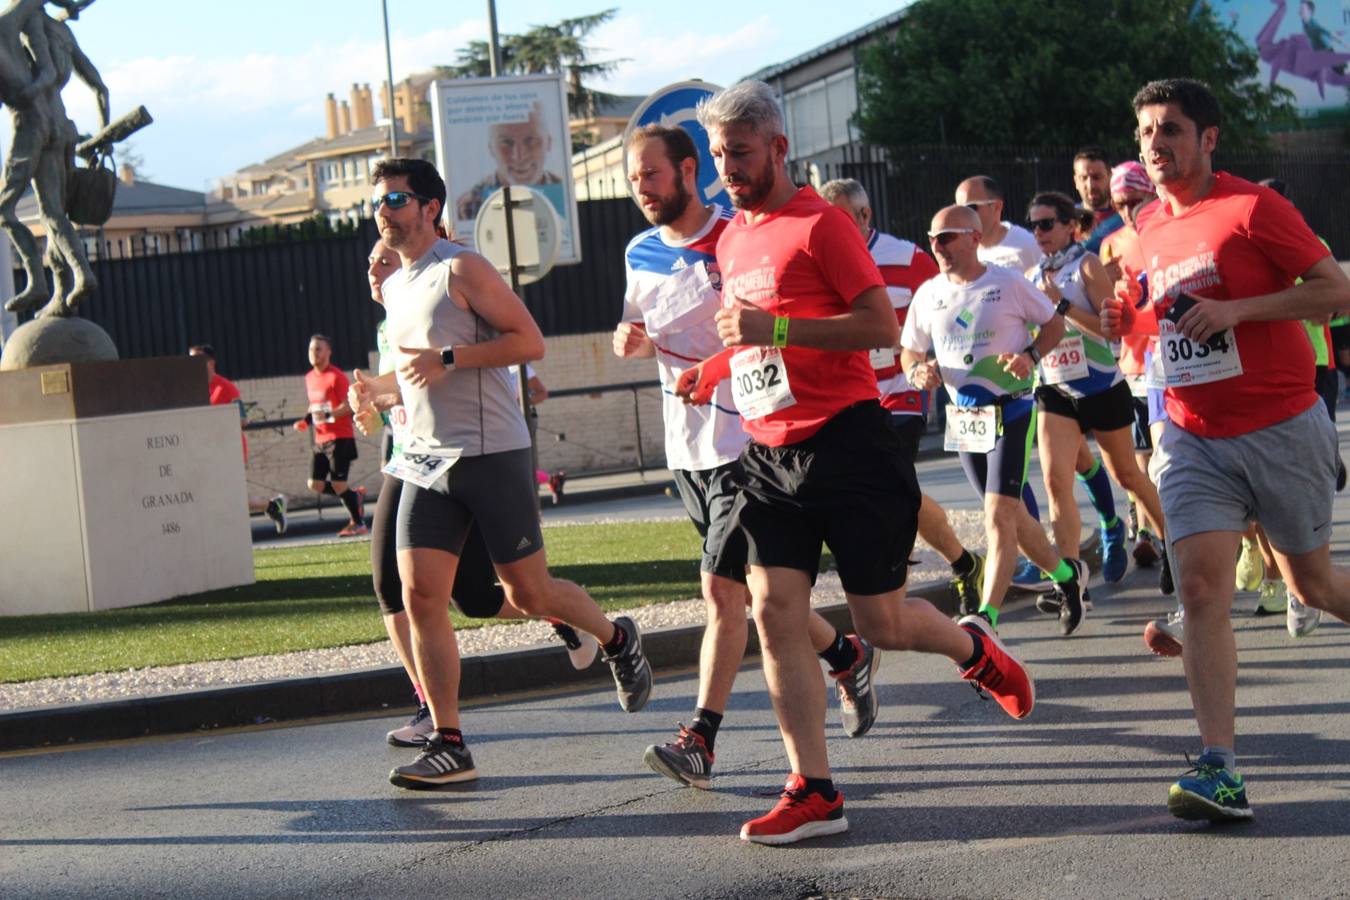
[258, 304]
[907, 186]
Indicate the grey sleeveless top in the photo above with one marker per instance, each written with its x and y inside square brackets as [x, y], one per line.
[474, 411]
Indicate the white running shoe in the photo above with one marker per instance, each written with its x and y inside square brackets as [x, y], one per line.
[1164, 636]
[582, 647]
[1301, 620]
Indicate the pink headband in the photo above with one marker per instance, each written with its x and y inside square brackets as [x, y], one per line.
[1130, 176]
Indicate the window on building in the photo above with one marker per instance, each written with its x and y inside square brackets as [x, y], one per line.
[818, 114]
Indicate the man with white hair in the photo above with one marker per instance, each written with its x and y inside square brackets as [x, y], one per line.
[904, 267]
[802, 303]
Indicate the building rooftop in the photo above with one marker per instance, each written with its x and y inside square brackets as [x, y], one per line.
[768, 73]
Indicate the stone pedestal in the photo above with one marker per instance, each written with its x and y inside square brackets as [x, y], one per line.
[108, 503]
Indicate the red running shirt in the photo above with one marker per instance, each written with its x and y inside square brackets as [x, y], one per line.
[222, 390]
[1242, 240]
[805, 260]
[326, 391]
[903, 267]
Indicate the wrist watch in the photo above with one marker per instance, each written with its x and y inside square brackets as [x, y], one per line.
[1062, 306]
[1034, 354]
[448, 358]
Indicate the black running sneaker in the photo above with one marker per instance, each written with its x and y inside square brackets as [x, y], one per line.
[857, 694]
[632, 673]
[969, 586]
[685, 759]
[440, 762]
[1074, 598]
[416, 732]
[1165, 584]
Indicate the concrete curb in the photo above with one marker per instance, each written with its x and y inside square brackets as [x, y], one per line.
[378, 688]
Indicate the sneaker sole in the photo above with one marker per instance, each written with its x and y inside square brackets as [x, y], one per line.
[800, 833]
[658, 765]
[1185, 805]
[1160, 642]
[420, 783]
[584, 656]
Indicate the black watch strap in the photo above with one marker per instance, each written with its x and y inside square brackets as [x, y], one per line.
[1062, 307]
[1033, 353]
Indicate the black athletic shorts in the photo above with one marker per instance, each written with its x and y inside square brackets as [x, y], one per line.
[848, 486]
[496, 491]
[1003, 470]
[475, 593]
[708, 495]
[333, 460]
[909, 428]
[1109, 410]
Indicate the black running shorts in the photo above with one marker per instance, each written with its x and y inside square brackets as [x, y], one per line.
[848, 487]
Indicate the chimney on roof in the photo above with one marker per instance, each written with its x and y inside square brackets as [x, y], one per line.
[344, 118]
[330, 111]
[126, 174]
[363, 112]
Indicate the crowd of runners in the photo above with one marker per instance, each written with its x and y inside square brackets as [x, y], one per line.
[1174, 314]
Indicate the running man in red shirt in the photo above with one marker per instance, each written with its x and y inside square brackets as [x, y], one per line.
[1247, 437]
[802, 304]
[334, 440]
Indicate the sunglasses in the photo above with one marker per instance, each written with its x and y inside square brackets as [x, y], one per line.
[945, 237]
[974, 205]
[1046, 224]
[395, 200]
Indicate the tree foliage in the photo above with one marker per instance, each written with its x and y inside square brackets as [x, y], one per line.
[1053, 72]
[560, 47]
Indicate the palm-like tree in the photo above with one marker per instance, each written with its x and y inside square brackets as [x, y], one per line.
[560, 47]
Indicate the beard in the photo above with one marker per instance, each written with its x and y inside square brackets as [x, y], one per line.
[760, 186]
[671, 207]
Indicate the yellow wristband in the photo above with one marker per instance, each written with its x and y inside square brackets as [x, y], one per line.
[780, 327]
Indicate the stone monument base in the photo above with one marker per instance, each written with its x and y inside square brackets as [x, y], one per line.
[49, 341]
[112, 509]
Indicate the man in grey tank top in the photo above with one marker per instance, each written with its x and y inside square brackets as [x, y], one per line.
[457, 326]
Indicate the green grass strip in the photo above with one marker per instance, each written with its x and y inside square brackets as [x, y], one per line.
[314, 597]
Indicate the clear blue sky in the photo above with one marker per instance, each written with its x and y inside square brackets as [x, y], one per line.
[230, 83]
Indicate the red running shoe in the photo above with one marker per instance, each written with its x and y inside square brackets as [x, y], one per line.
[999, 672]
[798, 815]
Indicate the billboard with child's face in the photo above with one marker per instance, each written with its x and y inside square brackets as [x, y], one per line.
[493, 132]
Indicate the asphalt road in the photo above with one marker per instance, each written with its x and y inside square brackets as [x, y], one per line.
[946, 797]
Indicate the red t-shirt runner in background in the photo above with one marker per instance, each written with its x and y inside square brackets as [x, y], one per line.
[328, 386]
[221, 390]
[1242, 240]
[805, 260]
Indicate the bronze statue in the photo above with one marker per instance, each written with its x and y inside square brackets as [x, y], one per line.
[38, 55]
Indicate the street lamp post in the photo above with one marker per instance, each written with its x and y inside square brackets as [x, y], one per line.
[389, 74]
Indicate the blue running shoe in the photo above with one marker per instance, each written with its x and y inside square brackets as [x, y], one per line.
[1030, 578]
[1115, 558]
[1209, 791]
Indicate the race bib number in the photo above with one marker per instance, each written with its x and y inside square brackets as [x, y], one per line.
[420, 469]
[398, 421]
[1066, 361]
[882, 357]
[322, 412]
[1186, 362]
[1154, 377]
[971, 429]
[759, 382]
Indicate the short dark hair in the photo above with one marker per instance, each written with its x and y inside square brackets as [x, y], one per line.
[203, 350]
[1092, 153]
[679, 145]
[991, 186]
[322, 337]
[1275, 184]
[1065, 208]
[422, 176]
[1196, 100]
